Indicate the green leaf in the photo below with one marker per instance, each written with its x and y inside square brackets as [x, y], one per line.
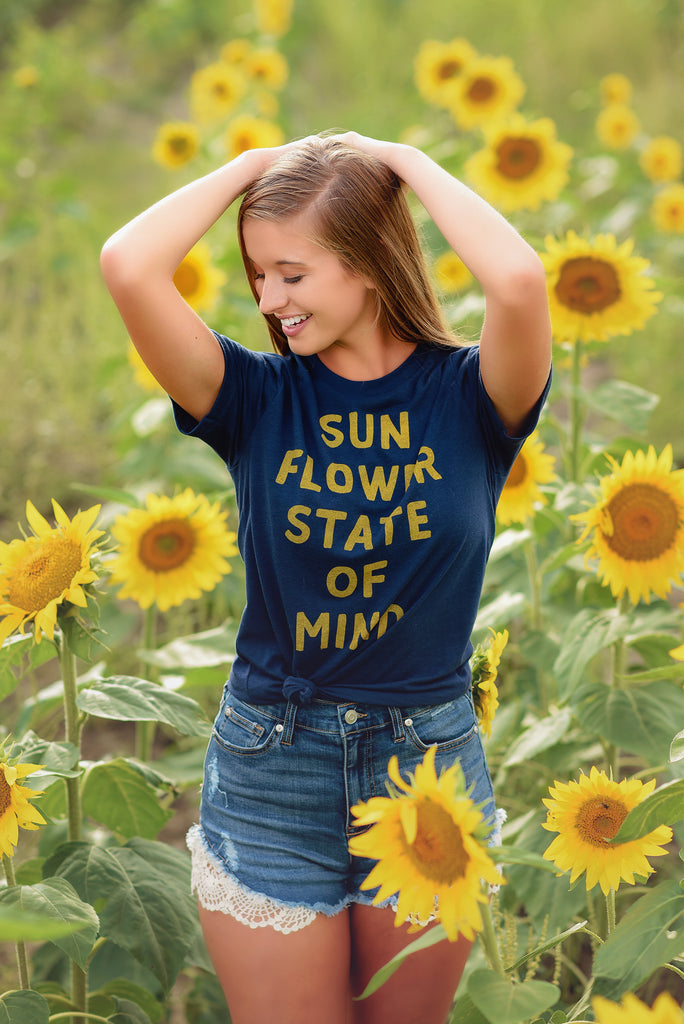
[122, 988]
[650, 933]
[544, 733]
[127, 699]
[638, 721]
[519, 855]
[677, 747]
[23, 1007]
[548, 944]
[15, 650]
[503, 1002]
[128, 1012]
[623, 402]
[59, 759]
[17, 925]
[500, 611]
[587, 634]
[145, 887]
[664, 806]
[427, 938]
[117, 795]
[58, 901]
[199, 650]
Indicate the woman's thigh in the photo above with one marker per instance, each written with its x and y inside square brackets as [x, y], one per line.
[266, 976]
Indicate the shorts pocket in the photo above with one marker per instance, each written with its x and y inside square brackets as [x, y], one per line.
[445, 726]
[243, 728]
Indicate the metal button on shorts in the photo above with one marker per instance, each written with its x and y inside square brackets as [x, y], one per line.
[351, 716]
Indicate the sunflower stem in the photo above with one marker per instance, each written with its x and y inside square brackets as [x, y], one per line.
[576, 413]
[72, 728]
[22, 960]
[490, 946]
[144, 733]
[610, 911]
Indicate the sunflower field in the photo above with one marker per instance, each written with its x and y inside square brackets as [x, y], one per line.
[120, 581]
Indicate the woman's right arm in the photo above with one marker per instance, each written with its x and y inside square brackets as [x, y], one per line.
[138, 263]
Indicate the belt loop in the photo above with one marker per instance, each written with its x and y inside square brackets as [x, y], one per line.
[289, 724]
[398, 731]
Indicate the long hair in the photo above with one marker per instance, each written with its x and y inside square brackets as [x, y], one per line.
[358, 211]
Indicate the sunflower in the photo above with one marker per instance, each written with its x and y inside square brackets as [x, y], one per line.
[142, 375]
[587, 814]
[38, 574]
[488, 90]
[15, 810]
[632, 1011]
[597, 288]
[235, 51]
[661, 159]
[171, 550]
[521, 165]
[615, 88]
[274, 17]
[176, 144]
[437, 67]
[521, 492]
[637, 526]
[484, 664]
[215, 91]
[267, 67]
[26, 77]
[197, 279]
[427, 838]
[617, 126]
[247, 132]
[667, 210]
[451, 273]
[677, 653]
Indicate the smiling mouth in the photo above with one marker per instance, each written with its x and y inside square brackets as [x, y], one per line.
[293, 321]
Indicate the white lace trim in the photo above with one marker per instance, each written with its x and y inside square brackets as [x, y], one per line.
[216, 889]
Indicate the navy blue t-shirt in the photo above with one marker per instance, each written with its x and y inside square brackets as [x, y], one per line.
[366, 516]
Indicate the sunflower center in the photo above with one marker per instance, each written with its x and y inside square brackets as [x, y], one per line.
[167, 545]
[448, 69]
[44, 573]
[517, 157]
[588, 285]
[219, 90]
[438, 851]
[518, 472]
[179, 144]
[644, 520]
[599, 819]
[481, 90]
[186, 279]
[5, 794]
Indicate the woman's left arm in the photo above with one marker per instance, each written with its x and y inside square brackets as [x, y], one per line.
[515, 345]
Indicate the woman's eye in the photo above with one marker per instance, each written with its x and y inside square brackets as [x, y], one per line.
[292, 280]
[258, 277]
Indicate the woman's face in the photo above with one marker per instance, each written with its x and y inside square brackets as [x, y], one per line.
[318, 301]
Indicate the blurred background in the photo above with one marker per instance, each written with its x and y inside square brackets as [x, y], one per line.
[85, 86]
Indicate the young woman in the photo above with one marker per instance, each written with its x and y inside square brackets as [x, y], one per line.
[368, 454]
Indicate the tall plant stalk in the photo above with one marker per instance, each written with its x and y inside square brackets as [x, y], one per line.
[22, 960]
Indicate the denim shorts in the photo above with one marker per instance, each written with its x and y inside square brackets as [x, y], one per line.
[279, 782]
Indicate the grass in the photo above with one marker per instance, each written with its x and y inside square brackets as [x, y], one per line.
[77, 165]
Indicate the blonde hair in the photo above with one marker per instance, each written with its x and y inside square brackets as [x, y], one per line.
[358, 211]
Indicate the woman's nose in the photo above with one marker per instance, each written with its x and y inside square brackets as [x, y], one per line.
[272, 296]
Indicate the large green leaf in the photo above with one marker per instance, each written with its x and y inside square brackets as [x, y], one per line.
[56, 899]
[500, 611]
[60, 760]
[199, 650]
[117, 795]
[541, 735]
[649, 935]
[18, 925]
[641, 721]
[128, 699]
[23, 1007]
[589, 633]
[15, 650]
[664, 806]
[624, 402]
[143, 890]
[677, 747]
[503, 1002]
